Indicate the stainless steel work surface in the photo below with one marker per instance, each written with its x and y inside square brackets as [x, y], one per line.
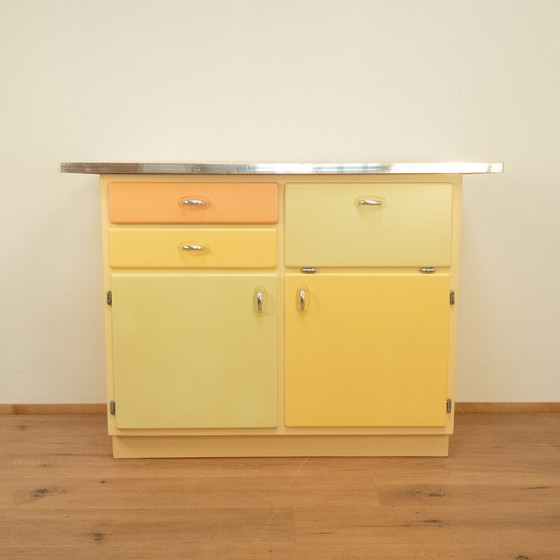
[279, 168]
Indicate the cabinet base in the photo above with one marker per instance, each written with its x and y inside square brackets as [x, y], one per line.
[281, 446]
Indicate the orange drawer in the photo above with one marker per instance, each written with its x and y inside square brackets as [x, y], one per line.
[193, 203]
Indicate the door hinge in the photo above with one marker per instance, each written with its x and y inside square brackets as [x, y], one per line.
[112, 407]
[449, 406]
[452, 297]
[428, 269]
[309, 270]
[109, 297]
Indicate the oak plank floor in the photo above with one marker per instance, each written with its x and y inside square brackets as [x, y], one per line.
[497, 496]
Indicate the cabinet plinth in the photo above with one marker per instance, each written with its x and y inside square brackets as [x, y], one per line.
[280, 315]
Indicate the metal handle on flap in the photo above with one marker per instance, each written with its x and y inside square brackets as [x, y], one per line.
[370, 200]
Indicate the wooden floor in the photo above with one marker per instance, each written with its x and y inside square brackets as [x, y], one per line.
[496, 497]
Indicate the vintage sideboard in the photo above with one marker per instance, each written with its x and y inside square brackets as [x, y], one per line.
[280, 309]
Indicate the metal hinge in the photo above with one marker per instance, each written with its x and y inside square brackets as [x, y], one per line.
[309, 270]
[109, 297]
[112, 407]
[449, 406]
[452, 297]
[428, 269]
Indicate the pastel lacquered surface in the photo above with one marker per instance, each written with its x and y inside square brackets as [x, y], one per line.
[339, 224]
[192, 203]
[137, 247]
[193, 351]
[368, 350]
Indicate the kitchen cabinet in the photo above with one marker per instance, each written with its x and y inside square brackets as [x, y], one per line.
[280, 309]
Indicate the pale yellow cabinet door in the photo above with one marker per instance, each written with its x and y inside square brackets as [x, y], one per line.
[368, 224]
[195, 351]
[366, 349]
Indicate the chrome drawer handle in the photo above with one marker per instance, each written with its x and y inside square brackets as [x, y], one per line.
[194, 201]
[365, 202]
[193, 247]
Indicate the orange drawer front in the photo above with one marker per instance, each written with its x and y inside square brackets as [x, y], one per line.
[193, 203]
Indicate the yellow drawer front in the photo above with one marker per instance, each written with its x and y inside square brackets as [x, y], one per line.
[195, 351]
[366, 350]
[369, 224]
[192, 248]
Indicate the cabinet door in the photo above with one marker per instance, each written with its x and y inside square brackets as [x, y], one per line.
[195, 351]
[368, 224]
[366, 349]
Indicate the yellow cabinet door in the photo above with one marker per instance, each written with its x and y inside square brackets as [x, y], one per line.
[195, 351]
[368, 224]
[366, 349]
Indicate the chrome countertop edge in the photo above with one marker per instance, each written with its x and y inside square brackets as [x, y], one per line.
[278, 168]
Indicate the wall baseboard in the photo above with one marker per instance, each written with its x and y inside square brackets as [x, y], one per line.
[65, 408]
[101, 408]
[504, 407]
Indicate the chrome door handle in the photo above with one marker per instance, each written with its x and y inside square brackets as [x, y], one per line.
[259, 299]
[302, 299]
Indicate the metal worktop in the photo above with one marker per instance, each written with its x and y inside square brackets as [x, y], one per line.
[279, 168]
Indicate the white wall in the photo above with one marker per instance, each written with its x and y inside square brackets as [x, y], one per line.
[290, 80]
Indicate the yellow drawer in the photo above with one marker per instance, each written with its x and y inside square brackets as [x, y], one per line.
[368, 224]
[192, 248]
